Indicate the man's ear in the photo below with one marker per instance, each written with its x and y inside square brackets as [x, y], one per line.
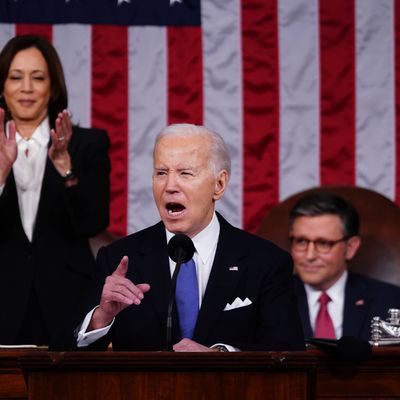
[221, 183]
[353, 244]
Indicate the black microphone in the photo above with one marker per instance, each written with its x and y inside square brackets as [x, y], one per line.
[347, 348]
[180, 250]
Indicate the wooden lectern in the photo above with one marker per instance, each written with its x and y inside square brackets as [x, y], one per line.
[258, 375]
[12, 384]
[164, 375]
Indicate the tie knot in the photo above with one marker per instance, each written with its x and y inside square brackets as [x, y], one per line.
[324, 299]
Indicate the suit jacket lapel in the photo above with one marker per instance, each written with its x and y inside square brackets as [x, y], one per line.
[49, 185]
[222, 281]
[302, 305]
[356, 306]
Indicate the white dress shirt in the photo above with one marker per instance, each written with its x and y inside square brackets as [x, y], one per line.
[205, 244]
[335, 306]
[28, 171]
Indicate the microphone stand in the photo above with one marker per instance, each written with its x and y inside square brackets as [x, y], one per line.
[171, 305]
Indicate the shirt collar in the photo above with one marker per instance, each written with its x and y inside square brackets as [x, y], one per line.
[335, 292]
[206, 240]
[41, 134]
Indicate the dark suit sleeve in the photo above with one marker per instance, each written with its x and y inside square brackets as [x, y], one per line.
[8, 215]
[88, 201]
[66, 339]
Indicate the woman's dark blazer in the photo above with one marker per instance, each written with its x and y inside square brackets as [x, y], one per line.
[53, 270]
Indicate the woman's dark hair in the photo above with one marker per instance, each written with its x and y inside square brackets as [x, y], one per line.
[322, 203]
[58, 97]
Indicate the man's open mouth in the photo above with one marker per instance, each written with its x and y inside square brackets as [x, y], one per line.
[174, 208]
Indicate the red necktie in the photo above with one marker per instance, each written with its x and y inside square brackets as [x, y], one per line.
[323, 324]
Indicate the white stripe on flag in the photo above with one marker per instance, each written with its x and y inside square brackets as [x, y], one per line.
[222, 81]
[147, 116]
[7, 31]
[299, 96]
[375, 96]
[73, 44]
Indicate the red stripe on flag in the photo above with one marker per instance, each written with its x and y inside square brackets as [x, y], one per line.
[110, 110]
[397, 90]
[35, 29]
[337, 55]
[261, 109]
[185, 75]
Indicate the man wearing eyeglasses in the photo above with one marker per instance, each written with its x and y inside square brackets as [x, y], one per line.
[333, 302]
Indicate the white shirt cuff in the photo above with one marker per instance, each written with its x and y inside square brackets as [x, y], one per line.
[85, 338]
[229, 348]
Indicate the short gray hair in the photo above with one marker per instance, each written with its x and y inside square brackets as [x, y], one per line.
[220, 158]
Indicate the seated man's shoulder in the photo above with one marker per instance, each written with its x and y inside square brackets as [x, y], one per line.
[379, 296]
[375, 286]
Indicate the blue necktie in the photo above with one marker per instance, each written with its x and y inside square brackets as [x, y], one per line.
[187, 298]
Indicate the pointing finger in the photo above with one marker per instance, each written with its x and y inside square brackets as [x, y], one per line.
[122, 268]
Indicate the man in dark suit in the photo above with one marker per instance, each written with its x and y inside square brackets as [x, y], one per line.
[245, 290]
[324, 234]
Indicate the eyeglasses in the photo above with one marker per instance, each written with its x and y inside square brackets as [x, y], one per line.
[300, 243]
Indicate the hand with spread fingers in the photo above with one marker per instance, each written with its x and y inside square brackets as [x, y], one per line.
[8, 148]
[60, 138]
[118, 293]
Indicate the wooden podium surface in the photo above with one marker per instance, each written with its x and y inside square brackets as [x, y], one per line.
[247, 375]
[192, 376]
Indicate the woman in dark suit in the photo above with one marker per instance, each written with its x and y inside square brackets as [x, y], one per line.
[54, 195]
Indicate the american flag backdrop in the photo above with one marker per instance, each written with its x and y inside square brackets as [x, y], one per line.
[305, 92]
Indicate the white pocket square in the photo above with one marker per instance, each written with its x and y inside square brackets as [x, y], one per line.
[237, 303]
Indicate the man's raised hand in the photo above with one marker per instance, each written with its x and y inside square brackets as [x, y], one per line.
[118, 293]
